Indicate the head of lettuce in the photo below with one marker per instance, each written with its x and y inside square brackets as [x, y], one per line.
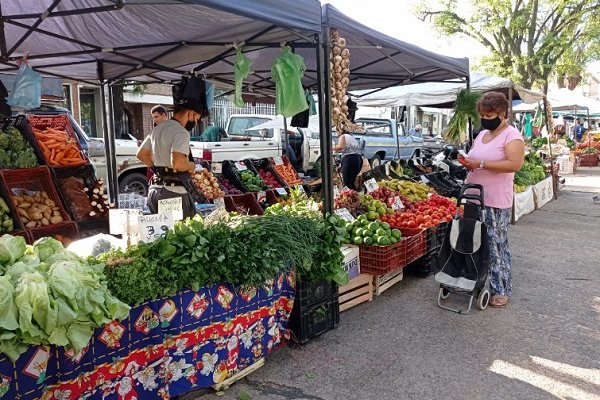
[11, 249]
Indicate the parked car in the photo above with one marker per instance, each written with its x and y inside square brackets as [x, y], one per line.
[130, 171]
[259, 136]
[385, 139]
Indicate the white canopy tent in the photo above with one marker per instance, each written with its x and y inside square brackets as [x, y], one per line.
[564, 100]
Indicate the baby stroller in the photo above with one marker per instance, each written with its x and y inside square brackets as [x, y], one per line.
[463, 260]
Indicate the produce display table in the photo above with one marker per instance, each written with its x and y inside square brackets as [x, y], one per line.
[166, 347]
[524, 203]
[543, 192]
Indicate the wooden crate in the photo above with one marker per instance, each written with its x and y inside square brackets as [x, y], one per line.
[381, 283]
[359, 290]
[238, 375]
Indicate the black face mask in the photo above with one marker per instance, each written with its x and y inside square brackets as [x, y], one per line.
[491, 124]
[190, 125]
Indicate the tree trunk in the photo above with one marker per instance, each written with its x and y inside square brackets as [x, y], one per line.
[574, 81]
[118, 104]
[560, 81]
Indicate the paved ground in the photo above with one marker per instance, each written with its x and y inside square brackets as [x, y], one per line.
[585, 180]
[544, 345]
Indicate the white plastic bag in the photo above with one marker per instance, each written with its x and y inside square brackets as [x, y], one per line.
[27, 91]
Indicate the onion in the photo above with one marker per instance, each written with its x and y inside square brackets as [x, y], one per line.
[345, 72]
[346, 53]
[345, 63]
[345, 81]
[337, 59]
[342, 41]
[337, 51]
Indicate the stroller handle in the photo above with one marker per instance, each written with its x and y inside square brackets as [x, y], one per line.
[471, 196]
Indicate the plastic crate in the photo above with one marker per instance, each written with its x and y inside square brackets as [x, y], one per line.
[246, 201]
[286, 161]
[588, 160]
[308, 323]
[232, 175]
[93, 227]
[85, 173]
[265, 165]
[378, 260]
[17, 225]
[34, 179]
[59, 122]
[20, 122]
[310, 293]
[424, 266]
[67, 230]
[22, 234]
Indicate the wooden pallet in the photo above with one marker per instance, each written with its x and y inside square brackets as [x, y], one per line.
[357, 291]
[381, 283]
[238, 375]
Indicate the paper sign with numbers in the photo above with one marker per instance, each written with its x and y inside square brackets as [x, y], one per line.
[220, 214]
[261, 197]
[216, 168]
[424, 179]
[241, 166]
[122, 220]
[397, 205]
[345, 214]
[278, 160]
[173, 206]
[151, 227]
[281, 191]
[371, 185]
[301, 189]
[336, 192]
[199, 167]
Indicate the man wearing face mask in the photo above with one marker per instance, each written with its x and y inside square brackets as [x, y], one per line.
[167, 151]
[497, 153]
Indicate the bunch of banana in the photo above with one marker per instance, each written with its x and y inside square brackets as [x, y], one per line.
[413, 191]
[519, 188]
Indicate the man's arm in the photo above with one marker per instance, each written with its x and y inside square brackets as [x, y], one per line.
[145, 156]
[181, 162]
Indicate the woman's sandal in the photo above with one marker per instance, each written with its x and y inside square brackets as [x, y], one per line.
[498, 301]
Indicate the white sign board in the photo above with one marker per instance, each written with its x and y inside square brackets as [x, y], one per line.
[281, 191]
[371, 185]
[171, 206]
[199, 167]
[241, 166]
[123, 220]
[424, 179]
[216, 168]
[397, 205]
[301, 189]
[278, 160]
[336, 192]
[151, 227]
[261, 197]
[345, 214]
[219, 202]
[219, 214]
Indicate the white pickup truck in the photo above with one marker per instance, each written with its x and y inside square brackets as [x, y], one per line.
[259, 136]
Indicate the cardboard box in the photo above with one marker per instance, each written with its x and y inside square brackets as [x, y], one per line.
[351, 260]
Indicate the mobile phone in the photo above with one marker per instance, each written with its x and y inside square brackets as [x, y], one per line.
[462, 153]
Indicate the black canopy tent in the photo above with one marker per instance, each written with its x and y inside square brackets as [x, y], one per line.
[108, 41]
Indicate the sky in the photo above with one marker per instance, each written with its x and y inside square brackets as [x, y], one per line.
[396, 18]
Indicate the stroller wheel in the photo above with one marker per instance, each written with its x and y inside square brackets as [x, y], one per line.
[444, 293]
[483, 300]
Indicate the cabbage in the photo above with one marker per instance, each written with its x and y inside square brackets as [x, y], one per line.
[9, 315]
[11, 248]
[46, 247]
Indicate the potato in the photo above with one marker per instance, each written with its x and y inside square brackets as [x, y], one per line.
[36, 215]
[31, 224]
[24, 204]
[56, 219]
[45, 221]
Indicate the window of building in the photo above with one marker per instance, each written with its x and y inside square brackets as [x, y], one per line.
[68, 98]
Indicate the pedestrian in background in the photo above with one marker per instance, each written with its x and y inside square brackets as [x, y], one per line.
[159, 114]
[417, 131]
[579, 131]
[497, 153]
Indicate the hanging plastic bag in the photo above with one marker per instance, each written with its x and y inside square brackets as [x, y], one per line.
[287, 72]
[242, 70]
[27, 91]
[210, 94]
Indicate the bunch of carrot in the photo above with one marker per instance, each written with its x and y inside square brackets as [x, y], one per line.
[59, 148]
[287, 172]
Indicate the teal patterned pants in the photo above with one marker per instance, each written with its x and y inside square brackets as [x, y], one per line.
[497, 220]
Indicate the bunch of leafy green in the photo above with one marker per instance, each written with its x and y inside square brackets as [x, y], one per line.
[15, 151]
[49, 296]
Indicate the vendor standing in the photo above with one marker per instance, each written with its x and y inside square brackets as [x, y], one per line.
[167, 151]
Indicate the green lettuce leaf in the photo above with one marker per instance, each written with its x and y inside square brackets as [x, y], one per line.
[11, 248]
[9, 317]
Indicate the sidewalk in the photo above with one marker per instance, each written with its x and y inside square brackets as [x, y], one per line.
[544, 345]
[586, 179]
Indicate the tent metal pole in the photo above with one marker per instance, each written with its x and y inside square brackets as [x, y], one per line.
[109, 137]
[470, 133]
[323, 46]
[510, 105]
[91, 10]
[3, 50]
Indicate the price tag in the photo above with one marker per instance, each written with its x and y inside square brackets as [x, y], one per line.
[345, 214]
[301, 189]
[371, 185]
[445, 167]
[397, 205]
[216, 168]
[151, 227]
[199, 168]
[219, 202]
[336, 192]
[220, 214]
[424, 179]
[122, 220]
[241, 166]
[282, 191]
[261, 197]
[171, 206]
[278, 160]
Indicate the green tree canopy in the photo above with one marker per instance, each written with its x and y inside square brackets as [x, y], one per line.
[528, 40]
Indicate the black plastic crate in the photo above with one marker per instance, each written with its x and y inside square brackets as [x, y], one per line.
[93, 227]
[314, 321]
[424, 266]
[310, 293]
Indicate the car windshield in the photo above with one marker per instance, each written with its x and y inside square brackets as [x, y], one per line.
[238, 126]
